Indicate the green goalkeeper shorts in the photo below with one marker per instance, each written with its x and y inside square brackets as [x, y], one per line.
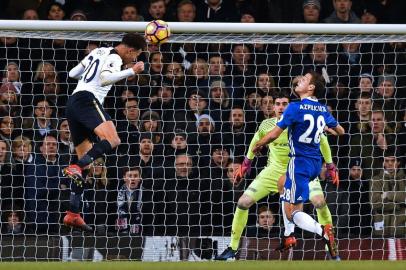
[265, 183]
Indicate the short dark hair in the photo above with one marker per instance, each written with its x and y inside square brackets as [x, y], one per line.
[134, 40]
[128, 169]
[265, 208]
[150, 2]
[391, 152]
[364, 95]
[186, 2]
[281, 94]
[318, 82]
[131, 99]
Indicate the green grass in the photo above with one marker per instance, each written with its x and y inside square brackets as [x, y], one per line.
[244, 265]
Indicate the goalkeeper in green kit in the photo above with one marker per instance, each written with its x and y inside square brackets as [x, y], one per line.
[271, 181]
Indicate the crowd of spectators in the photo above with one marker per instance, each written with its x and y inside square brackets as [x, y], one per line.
[186, 123]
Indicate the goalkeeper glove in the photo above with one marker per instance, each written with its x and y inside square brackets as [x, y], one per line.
[332, 174]
[239, 174]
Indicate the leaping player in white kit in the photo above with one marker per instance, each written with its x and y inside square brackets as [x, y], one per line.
[92, 130]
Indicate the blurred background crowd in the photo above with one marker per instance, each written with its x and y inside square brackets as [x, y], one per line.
[186, 123]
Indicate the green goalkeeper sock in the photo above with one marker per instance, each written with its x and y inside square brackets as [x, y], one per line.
[324, 215]
[239, 222]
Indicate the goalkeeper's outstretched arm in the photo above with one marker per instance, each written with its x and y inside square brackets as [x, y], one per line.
[250, 154]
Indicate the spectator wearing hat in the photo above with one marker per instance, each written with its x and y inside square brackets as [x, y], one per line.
[388, 196]
[78, 15]
[342, 13]
[366, 83]
[219, 102]
[311, 11]
[372, 12]
[386, 86]
[386, 98]
[247, 15]
[177, 144]
[205, 137]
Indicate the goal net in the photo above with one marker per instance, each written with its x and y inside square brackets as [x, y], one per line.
[185, 125]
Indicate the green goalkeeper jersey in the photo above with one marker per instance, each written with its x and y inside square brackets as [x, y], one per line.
[278, 153]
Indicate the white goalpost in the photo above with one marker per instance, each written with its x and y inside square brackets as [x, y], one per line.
[183, 206]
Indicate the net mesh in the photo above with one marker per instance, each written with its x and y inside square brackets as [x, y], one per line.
[202, 96]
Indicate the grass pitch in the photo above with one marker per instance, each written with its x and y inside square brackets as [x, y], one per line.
[209, 265]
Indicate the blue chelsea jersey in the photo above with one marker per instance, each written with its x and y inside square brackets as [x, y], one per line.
[306, 121]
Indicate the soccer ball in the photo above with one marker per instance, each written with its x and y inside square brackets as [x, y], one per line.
[157, 32]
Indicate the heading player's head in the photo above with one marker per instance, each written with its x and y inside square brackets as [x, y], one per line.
[281, 101]
[131, 47]
[310, 85]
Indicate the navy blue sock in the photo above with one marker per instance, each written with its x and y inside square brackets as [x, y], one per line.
[75, 197]
[75, 201]
[98, 150]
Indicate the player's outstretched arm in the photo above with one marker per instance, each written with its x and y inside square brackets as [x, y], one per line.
[339, 130]
[77, 71]
[245, 167]
[268, 138]
[107, 77]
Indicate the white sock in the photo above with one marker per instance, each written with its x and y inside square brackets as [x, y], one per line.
[289, 225]
[306, 222]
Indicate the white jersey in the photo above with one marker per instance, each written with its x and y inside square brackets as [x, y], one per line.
[96, 62]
